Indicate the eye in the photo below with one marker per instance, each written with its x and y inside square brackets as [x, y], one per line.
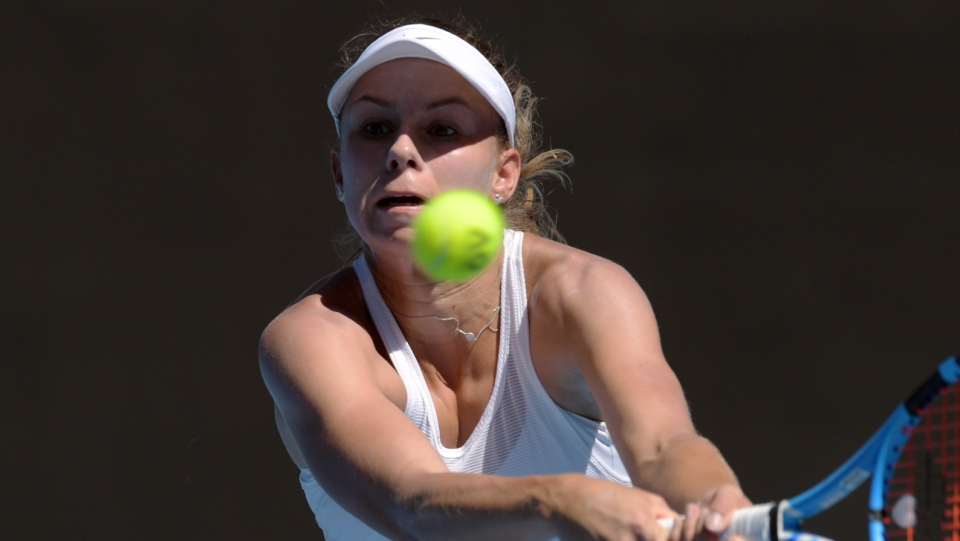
[375, 128]
[442, 130]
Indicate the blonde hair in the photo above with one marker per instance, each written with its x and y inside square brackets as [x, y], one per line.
[527, 209]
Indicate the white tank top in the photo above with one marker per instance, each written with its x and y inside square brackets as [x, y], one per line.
[522, 430]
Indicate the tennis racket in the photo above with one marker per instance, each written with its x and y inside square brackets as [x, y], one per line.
[914, 461]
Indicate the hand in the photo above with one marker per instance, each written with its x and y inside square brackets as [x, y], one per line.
[717, 509]
[595, 509]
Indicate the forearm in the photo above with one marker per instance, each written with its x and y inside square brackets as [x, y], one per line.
[471, 506]
[686, 468]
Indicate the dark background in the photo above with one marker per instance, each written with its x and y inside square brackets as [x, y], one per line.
[781, 178]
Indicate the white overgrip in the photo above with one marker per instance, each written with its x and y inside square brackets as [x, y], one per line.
[751, 523]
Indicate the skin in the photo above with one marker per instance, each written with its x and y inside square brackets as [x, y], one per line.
[415, 127]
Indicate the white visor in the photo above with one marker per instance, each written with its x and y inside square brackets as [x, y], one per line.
[431, 43]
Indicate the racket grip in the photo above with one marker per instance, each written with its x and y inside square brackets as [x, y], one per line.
[751, 523]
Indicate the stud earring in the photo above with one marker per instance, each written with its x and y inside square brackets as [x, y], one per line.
[340, 196]
[497, 198]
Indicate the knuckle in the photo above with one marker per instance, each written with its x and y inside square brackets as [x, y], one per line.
[638, 518]
[658, 499]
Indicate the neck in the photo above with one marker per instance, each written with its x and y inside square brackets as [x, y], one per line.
[419, 301]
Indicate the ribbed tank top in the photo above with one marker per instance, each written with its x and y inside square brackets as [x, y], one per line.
[522, 430]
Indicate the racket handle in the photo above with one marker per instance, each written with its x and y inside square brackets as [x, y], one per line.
[753, 524]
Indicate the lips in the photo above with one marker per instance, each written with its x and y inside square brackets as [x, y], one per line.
[404, 200]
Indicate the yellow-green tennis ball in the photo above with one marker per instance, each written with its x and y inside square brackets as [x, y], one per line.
[457, 235]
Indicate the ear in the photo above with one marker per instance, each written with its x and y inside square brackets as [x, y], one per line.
[508, 174]
[335, 169]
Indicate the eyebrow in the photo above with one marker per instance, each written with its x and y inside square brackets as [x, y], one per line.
[378, 101]
[453, 100]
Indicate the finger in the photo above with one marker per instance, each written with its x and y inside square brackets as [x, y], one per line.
[659, 509]
[716, 521]
[662, 534]
[691, 526]
[652, 532]
[720, 507]
[676, 531]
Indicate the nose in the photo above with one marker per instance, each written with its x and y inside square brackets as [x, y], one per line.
[403, 154]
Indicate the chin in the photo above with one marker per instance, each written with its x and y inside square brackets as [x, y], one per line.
[394, 241]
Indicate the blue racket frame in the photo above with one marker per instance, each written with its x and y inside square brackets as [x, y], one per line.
[875, 458]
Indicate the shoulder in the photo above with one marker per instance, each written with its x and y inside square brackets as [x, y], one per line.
[329, 315]
[558, 276]
[589, 321]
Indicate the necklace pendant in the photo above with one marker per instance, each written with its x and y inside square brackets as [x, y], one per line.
[469, 336]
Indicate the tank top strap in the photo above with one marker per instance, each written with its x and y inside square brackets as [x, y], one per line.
[513, 284]
[580, 437]
[397, 347]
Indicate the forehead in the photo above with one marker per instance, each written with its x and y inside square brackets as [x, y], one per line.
[409, 81]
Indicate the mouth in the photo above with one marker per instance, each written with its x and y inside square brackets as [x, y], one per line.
[393, 201]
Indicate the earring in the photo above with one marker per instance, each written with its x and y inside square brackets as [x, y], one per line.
[497, 198]
[340, 196]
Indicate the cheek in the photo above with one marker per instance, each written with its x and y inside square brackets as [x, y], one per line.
[355, 158]
[358, 170]
[467, 167]
[357, 182]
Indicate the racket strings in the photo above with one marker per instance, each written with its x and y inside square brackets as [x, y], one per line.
[929, 472]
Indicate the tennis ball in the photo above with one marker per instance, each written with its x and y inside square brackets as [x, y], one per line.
[457, 235]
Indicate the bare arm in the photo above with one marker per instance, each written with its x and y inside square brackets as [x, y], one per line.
[608, 332]
[375, 463]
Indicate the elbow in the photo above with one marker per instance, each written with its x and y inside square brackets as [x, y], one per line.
[413, 515]
[422, 509]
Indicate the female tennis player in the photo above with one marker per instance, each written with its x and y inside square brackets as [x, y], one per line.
[531, 402]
